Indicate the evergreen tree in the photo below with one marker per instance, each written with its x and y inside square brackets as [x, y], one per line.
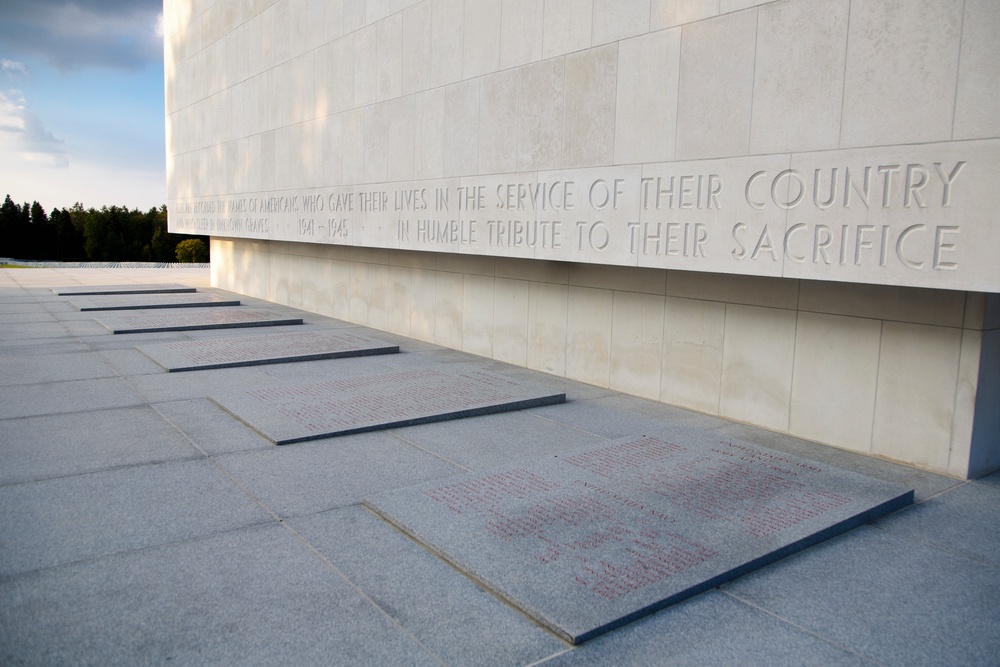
[41, 234]
[111, 234]
[9, 215]
[69, 242]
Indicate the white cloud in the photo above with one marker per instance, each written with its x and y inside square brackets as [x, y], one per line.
[13, 67]
[91, 184]
[122, 34]
[23, 137]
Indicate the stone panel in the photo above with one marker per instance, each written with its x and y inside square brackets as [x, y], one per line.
[547, 328]
[540, 88]
[477, 315]
[691, 372]
[587, 541]
[636, 344]
[799, 76]
[899, 89]
[520, 32]
[461, 131]
[288, 414]
[757, 357]
[447, 41]
[716, 87]
[448, 308]
[389, 63]
[588, 334]
[481, 52]
[401, 139]
[977, 102]
[646, 107]
[366, 65]
[619, 19]
[423, 301]
[153, 301]
[147, 322]
[429, 148]
[498, 122]
[590, 95]
[399, 300]
[263, 349]
[88, 290]
[416, 66]
[510, 321]
[915, 400]
[567, 26]
[834, 379]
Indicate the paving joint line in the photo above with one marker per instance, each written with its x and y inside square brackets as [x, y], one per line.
[802, 628]
[306, 543]
[393, 432]
[123, 552]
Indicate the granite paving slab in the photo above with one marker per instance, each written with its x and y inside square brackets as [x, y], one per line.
[26, 400]
[151, 301]
[8, 317]
[151, 322]
[160, 387]
[615, 416]
[888, 597]
[957, 520]
[57, 521]
[449, 614]
[318, 476]
[491, 441]
[263, 349]
[57, 445]
[255, 596]
[28, 333]
[710, 630]
[295, 413]
[210, 428]
[37, 368]
[81, 290]
[589, 541]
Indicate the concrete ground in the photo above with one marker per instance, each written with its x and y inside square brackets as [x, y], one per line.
[140, 524]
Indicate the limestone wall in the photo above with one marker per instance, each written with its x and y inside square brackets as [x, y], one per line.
[888, 371]
[835, 140]
[784, 213]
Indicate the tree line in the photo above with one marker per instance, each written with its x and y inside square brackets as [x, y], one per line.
[108, 234]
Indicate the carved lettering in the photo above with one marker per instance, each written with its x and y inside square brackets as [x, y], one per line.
[675, 216]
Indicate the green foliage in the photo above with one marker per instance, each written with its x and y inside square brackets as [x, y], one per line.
[110, 234]
[192, 251]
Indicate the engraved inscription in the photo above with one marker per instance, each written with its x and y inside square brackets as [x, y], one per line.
[339, 405]
[294, 413]
[902, 215]
[479, 494]
[621, 534]
[586, 540]
[234, 350]
[149, 319]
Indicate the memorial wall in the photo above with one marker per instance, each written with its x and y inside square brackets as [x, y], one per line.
[782, 213]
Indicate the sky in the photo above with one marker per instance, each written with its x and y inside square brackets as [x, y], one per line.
[81, 103]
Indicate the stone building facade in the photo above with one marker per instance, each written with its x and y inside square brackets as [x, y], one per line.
[782, 213]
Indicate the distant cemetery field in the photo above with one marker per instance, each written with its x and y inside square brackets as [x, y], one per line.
[107, 234]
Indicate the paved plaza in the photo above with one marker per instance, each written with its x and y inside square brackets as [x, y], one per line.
[141, 523]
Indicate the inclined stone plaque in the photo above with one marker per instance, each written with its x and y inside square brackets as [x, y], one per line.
[262, 349]
[287, 414]
[586, 542]
[87, 290]
[151, 322]
[147, 301]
